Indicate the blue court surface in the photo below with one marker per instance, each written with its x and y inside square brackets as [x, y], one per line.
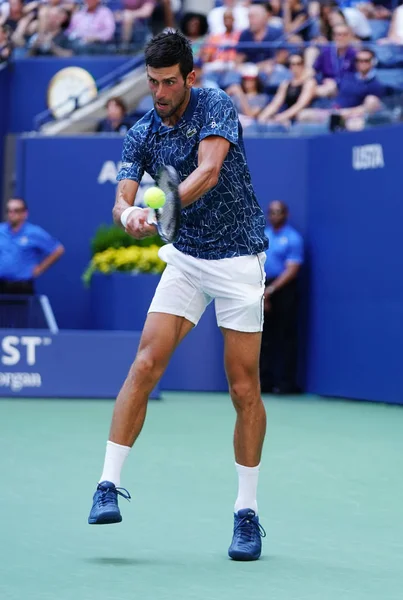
[330, 499]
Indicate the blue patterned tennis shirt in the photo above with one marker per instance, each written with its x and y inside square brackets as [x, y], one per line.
[227, 221]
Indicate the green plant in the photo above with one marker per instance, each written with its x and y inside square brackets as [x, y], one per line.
[112, 249]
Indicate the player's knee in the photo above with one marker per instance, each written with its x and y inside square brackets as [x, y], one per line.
[244, 393]
[145, 366]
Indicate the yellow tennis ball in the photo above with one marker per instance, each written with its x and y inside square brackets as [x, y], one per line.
[154, 197]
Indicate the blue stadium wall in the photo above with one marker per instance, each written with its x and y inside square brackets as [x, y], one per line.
[343, 193]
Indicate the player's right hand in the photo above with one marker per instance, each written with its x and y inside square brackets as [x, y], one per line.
[137, 225]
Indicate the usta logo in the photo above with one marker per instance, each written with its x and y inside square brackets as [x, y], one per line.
[13, 347]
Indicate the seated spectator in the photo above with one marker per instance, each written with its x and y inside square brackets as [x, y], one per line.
[91, 27]
[194, 27]
[216, 15]
[21, 21]
[359, 94]
[134, 16]
[334, 62]
[260, 30]
[330, 15]
[26, 250]
[5, 44]
[378, 9]
[116, 120]
[395, 34]
[164, 15]
[53, 40]
[248, 96]
[292, 96]
[212, 53]
[295, 17]
[358, 23]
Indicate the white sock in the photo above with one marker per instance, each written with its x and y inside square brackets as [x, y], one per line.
[247, 487]
[115, 457]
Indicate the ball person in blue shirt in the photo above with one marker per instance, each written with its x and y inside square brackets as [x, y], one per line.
[26, 250]
[219, 256]
[278, 365]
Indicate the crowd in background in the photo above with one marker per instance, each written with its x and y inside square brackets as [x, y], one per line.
[285, 63]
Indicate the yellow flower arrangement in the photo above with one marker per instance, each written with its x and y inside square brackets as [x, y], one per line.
[134, 259]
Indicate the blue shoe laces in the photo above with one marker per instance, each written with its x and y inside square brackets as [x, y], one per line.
[109, 495]
[248, 528]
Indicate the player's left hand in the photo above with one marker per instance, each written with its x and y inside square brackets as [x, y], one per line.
[137, 225]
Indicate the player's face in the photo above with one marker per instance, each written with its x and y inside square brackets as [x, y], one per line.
[169, 90]
[16, 212]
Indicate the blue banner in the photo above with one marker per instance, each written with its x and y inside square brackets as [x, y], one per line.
[70, 364]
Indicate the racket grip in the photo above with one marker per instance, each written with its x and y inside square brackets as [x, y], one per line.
[151, 218]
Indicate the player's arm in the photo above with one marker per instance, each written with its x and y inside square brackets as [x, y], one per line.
[212, 153]
[129, 176]
[136, 224]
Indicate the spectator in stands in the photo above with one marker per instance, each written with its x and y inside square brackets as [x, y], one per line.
[395, 34]
[359, 95]
[91, 27]
[215, 17]
[194, 26]
[21, 21]
[5, 44]
[248, 96]
[116, 120]
[212, 52]
[296, 18]
[53, 39]
[334, 62]
[26, 250]
[260, 30]
[292, 96]
[164, 15]
[134, 17]
[278, 362]
[330, 15]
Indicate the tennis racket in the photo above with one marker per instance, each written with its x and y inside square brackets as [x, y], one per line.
[168, 218]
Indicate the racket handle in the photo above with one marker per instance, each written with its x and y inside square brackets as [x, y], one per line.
[151, 218]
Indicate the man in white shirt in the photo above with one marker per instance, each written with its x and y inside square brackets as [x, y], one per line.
[215, 17]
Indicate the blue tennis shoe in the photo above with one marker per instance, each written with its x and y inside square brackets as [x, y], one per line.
[247, 539]
[105, 507]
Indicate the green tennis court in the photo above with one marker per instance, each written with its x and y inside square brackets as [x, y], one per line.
[330, 499]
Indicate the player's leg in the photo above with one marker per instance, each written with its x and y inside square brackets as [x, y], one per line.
[161, 334]
[241, 358]
[175, 309]
[239, 308]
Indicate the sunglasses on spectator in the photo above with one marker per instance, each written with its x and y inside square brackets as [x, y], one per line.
[276, 211]
[15, 210]
[364, 60]
[297, 63]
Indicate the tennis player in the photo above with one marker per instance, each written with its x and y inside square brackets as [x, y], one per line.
[219, 255]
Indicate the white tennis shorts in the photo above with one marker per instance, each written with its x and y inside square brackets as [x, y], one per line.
[189, 284]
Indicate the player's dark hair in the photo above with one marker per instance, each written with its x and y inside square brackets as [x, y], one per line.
[170, 48]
